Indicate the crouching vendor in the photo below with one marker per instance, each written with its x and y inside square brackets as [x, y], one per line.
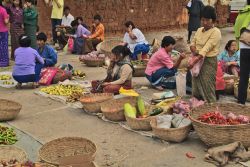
[161, 66]
[119, 73]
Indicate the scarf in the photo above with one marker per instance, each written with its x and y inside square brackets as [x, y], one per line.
[242, 21]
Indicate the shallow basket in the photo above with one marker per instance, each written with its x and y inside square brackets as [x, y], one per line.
[56, 149]
[107, 45]
[236, 93]
[94, 63]
[141, 123]
[171, 134]
[9, 109]
[216, 135]
[92, 102]
[11, 152]
[113, 110]
[139, 71]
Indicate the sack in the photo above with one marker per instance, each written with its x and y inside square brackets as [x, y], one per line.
[181, 81]
[70, 44]
[245, 36]
[61, 76]
[195, 71]
[47, 75]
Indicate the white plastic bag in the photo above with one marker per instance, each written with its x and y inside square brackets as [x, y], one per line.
[181, 83]
[164, 121]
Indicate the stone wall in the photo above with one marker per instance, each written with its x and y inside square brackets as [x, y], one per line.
[146, 14]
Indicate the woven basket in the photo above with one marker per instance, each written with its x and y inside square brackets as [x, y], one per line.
[139, 71]
[171, 134]
[236, 93]
[229, 88]
[141, 123]
[52, 151]
[215, 135]
[92, 102]
[107, 45]
[113, 110]
[9, 109]
[94, 63]
[10, 152]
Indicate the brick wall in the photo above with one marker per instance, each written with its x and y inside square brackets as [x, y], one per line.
[146, 14]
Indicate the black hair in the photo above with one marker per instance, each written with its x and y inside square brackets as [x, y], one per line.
[121, 50]
[97, 17]
[74, 23]
[128, 23]
[66, 8]
[20, 4]
[1, 2]
[167, 40]
[79, 18]
[31, 1]
[41, 37]
[209, 12]
[228, 45]
[24, 41]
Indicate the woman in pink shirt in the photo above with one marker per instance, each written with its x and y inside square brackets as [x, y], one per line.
[161, 65]
[4, 53]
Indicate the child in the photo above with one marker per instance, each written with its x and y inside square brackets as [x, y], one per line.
[25, 63]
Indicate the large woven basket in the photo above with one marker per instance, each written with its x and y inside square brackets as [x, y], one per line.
[11, 152]
[9, 109]
[139, 71]
[171, 134]
[56, 149]
[94, 63]
[113, 110]
[92, 102]
[107, 45]
[215, 135]
[141, 123]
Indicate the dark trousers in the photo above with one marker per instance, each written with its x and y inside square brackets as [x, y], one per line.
[54, 23]
[244, 75]
[189, 35]
[90, 45]
[24, 78]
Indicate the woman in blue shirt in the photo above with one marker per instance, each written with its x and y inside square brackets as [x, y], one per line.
[231, 58]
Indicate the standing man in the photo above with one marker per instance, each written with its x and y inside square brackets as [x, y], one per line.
[56, 16]
[194, 10]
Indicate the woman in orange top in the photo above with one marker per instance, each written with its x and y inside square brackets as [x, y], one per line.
[97, 35]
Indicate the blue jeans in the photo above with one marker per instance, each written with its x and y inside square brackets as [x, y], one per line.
[54, 23]
[140, 49]
[24, 78]
[156, 77]
[38, 70]
[78, 46]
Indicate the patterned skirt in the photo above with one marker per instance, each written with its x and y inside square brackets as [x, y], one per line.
[204, 84]
[15, 32]
[4, 53]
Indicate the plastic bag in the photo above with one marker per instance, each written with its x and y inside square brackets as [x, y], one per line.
[181, 80]
[195, 71]
[47, 75]
[179, 121]
[164, 121]
[70, 44]
[61, 76]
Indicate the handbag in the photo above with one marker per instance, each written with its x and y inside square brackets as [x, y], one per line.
[245, 36]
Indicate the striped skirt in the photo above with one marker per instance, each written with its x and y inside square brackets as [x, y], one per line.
[4, 53]
[204, 84]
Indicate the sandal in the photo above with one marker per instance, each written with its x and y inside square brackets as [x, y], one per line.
[160, 88]
[19, 86]
[35, 85]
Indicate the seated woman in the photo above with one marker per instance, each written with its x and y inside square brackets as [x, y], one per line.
[119, 73]
[230, 57]
[135, 41]
[160, 65]
[79, 37]
[25, 62]
[97, 35]
[47, 52]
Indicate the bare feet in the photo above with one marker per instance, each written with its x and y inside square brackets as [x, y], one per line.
[160, 88]
[35, 85]
[19, 86]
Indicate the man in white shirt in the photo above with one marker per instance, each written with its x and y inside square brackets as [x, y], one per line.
[64, 28]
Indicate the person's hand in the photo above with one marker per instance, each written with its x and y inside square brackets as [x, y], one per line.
[190, 66]
[25, 6]
[193, 49]
[234, 63]
[129, 29]
[182, 56]
[105, 84]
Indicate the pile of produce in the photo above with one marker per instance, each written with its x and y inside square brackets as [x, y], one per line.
[8, 83]
[184, 107]
[132, 112]
[167, 103]
[15, 163]
[217, 118]
[75, 96]
[95, 55]
[128, 92]
[62, 90]
[5, 77]
[78, 74]
[7, 136]
[138, 63]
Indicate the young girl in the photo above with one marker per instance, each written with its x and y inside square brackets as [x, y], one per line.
[26, 59]
[230, 58]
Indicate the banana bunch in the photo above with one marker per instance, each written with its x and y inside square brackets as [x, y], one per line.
[129, 92]
[62, 90]
[168, 102]
[8, 83]
[75, 96]
[78, 73]
[5, 77]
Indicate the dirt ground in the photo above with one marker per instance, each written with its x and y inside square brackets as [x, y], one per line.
[45, 119]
